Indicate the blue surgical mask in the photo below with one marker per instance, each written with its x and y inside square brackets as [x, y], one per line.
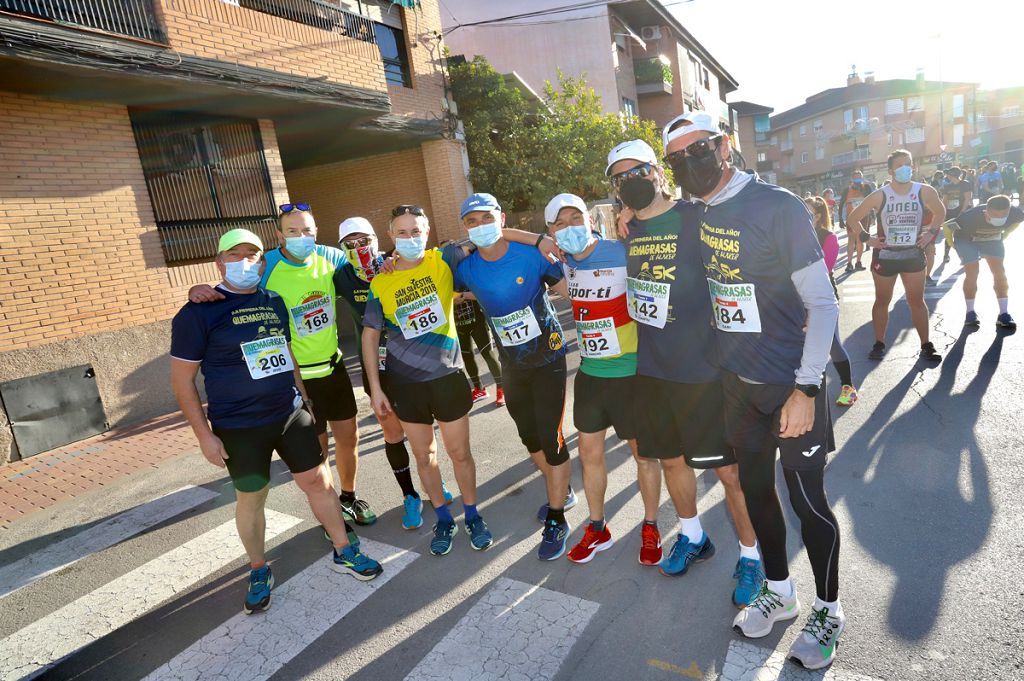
[903, 174]
[857, 180]
[574, 239]
[300, 246]
[411, 249]
[485, 235]
[996, 222]
[242, 274]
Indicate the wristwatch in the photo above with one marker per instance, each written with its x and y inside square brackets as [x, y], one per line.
[809, 390]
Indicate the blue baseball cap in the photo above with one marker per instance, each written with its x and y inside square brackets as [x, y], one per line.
[475, 202]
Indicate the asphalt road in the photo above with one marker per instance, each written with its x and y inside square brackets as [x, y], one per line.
[925, 484]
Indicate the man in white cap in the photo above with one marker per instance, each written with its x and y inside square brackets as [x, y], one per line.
[256, 405]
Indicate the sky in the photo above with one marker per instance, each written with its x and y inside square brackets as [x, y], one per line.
[783, 51]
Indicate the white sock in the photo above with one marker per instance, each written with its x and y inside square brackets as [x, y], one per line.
[834, 608]
[1004, 304]
[970, 304]
[783, 588]
[690, 527]
[750, 552]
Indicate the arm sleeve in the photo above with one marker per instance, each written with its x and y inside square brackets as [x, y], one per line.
[819, 300]
[373, 317]
[831, 250]
[188, 335]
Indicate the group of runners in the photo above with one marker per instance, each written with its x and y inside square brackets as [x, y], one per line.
[703, 336]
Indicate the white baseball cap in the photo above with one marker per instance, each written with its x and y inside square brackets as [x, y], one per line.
[692, 122]
[561, 201]
[633, 150]
[354, 226]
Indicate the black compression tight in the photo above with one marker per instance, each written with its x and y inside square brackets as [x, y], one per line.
[841, 359]
[478, 332]
[818, 525]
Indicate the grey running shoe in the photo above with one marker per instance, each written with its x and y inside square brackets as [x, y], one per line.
[815, 647]
[757, 619]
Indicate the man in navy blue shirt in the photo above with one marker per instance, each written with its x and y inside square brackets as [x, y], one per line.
[256, 405]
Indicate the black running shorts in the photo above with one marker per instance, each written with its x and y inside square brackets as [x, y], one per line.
[535, 398]
[333, 399]
[250, 449]
[443, 399]
[681, 419]
[752, 413]
[600, 402]
[890, 268]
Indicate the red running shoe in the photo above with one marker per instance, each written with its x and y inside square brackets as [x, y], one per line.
[592, 542]
[479, 394]
[499, 399]
[650, 545]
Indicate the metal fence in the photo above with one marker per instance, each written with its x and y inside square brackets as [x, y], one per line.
[133, 18]
[316, 13]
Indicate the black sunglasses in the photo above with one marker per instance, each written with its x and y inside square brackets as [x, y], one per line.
[642, 170]
[407, 208]
[698, 149]
[286, 208]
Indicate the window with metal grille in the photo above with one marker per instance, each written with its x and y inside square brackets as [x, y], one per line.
[391, 42]
[205, 175]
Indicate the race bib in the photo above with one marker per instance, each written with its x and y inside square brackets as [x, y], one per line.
[382, 357]
[313, 317]
[267, 356]
[735, 307]
[901, 235]
[987, 236]
[953, 204]
[647, 301]
[597, 338]
[421, 316]
[517, 328]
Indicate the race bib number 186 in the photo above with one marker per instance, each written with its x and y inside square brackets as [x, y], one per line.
[421, 316]
[735, 307]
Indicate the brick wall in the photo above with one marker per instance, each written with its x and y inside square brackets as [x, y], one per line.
[423, 99]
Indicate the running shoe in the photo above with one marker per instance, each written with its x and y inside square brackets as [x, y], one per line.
[480, 537]
[553, 539]
[351, 562]
[972, 320]
[499, 398]
[815, 647]
[750, 576]
[849, 268]
[412, 518]
[353, 539]
[859, 266]
[447, 495]
[570, 501]
[358, 511]
[877, 350]
[684, 553]
[479, 394]
[929, 353]
[261, 581]
[444, 530]
[847, 396]
[650, 544]
[764, 610]
[1005, 321]
[592, 543]
[930, 281]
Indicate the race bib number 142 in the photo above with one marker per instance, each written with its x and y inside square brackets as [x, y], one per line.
[647, 301]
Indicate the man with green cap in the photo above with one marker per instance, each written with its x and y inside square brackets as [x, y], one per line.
[256, 404]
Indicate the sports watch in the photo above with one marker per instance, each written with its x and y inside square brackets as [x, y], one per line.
[809, 390]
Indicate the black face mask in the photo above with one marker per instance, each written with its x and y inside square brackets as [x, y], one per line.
[637, 193]
[698, 175]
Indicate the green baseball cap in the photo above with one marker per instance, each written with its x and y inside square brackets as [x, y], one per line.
[238, 236]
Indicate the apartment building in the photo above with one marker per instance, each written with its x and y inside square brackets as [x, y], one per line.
[1000, 129]
[636, 55]
[134, 133]
[819, 143]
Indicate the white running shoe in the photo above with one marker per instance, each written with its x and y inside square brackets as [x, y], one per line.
[757, 619]
[815, 647]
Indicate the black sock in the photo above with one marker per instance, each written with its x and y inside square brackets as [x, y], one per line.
[556, 514]
[398, 458]
[843, 369]
[347, 497]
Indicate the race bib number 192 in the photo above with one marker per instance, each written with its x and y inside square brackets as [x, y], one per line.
[647, 301]
[421, 316]
[598, 338]
[735, 307]
[267, 356]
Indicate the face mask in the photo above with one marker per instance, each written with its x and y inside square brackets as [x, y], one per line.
[698, 175]
[365, 260]
[637, 193]
[300, 246]
[411, 249]
[903, 174]
[996, 222]
[574, 239]
[485, 235]
[242, 274]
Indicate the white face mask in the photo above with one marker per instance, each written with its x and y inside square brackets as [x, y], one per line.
[996, 222]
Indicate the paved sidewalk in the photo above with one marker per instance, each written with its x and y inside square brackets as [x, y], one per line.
[41, 481]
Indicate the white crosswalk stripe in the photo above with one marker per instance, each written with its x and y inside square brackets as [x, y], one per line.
[33, 649]
[60, 555]
[748, 662]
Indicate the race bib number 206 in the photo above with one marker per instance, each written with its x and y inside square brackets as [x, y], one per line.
[735, 307]
[267, 356]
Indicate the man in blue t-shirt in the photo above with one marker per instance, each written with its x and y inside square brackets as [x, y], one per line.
[256, 405]
[510, 281]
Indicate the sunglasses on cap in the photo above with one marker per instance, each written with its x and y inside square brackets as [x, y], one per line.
[286, 208]
[642, 170]
[698, 149]
[407, 208]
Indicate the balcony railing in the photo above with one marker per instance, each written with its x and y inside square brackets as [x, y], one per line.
[132, 18]
[851, 157]
[320, 14]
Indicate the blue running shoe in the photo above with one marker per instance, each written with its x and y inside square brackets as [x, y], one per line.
[750, 575]
[683, 553]
[413, 517]
[553, 540]
[479, 536]
[261, 581]
[1005, 321]
[447, 495]
[351, 562]
[570, 501]
[444, 530]
[971, 320]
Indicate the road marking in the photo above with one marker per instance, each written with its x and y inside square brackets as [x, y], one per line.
[747, 662]
[693, 671]
[514, 627]
[931, 295]
[30, 651]
[303, 608]
[101, 536]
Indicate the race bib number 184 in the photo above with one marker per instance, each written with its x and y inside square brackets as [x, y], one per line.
[735, 307]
